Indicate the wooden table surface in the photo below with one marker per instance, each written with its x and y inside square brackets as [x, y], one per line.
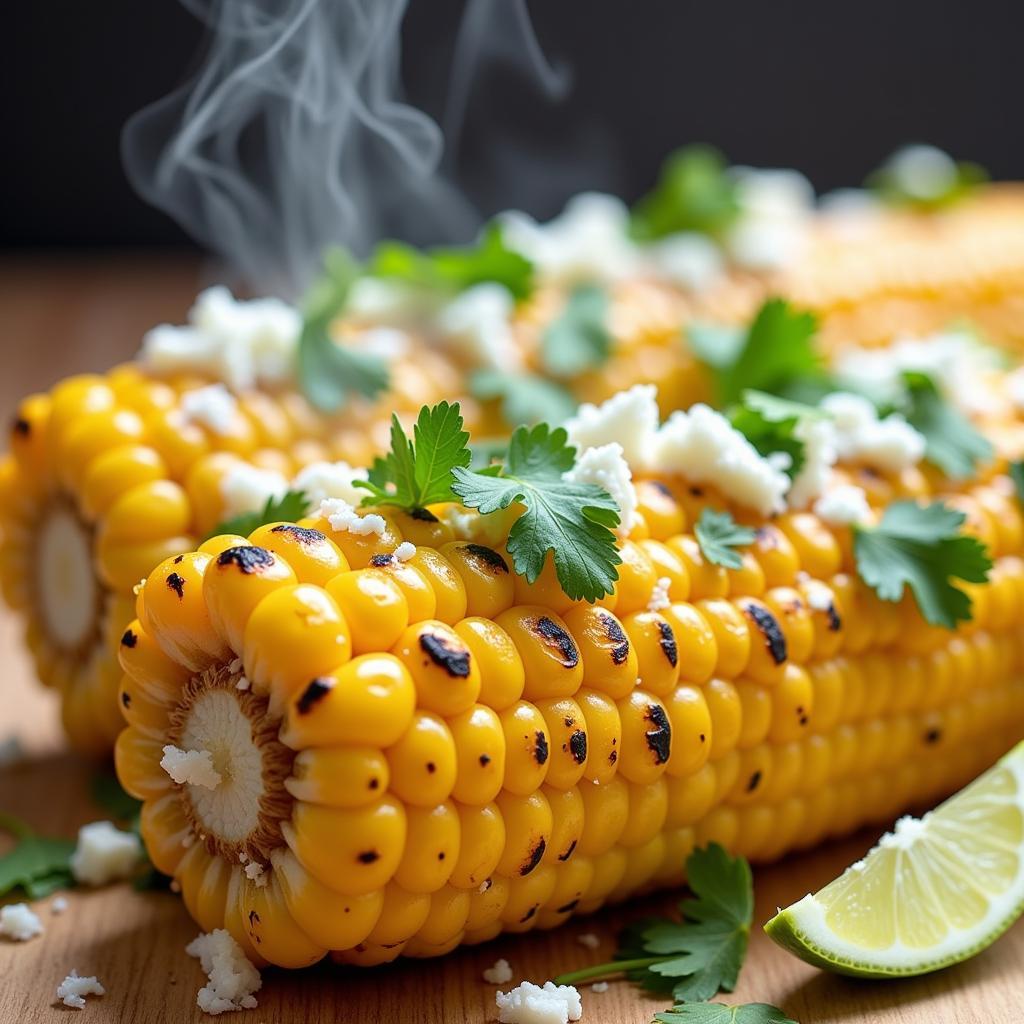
[62, 316]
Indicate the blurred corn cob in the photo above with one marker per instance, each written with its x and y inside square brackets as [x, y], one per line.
[381, 755]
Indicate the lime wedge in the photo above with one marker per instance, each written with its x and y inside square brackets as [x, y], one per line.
[934, 891]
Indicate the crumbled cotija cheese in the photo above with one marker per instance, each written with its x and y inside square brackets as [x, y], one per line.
[321, 480]
[860, 436]
[605, 467]
[212, 406]
[104, 854]
[344, 518]
[405, 551]
[818, 436]
[256, 872]
[688, 259]
[589, 939]
[72, 990]
[20, 923]
[843, 505]
[532, 1004]
[233, 980]
[659, 599]
[629, 419]
[59, 905]
[776, 209]
[599, 986]
[499, 974]
[246, 488]
[477, 325]
[190, 767]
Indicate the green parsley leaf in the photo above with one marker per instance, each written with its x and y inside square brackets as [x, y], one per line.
[951, 441]
[770, 424]
[35, 864]
[418, 473]
[718, 534]
[109, 796]
[774, 353]
[695, 192]
[1017, 476]
[457, 268]
[525, 397]
[719, 1013]
[922, 546]
[572, 520]
[289, 508]
[699, 955]
[329, 374]
[578, 339]
[896, 183]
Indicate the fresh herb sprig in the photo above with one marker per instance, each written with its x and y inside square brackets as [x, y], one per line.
[922, 546]
[718, 535]
[700, 955]
[38, 865]
[526, 398]
[719, 1013]
[573, 521]
[289, 508]
[418, 472]
[771, 425]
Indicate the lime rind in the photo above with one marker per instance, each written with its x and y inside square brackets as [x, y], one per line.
[802, 928]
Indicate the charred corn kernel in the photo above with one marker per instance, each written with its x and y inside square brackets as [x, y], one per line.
[732, 635]
[502, 676]
[567, 823]
[604, 734]
[637, 578]
[339, 777]
[526, 895]
[769, 650]
[657, 654]
[314, 557]
[447, 678]
[420, 527]
[646, 737]
[668, 565]
[754, 775]
[792, 706]
[373, 605]
[480, 755]
[696, 647]
[609, 660]
[422, 763]
[486, 576]
[691, 730]
[794, 618]
[527, 747]
[567, 739]
[299, 618]
[551, 659]
[482, 831]
[528, 824]
[826, 614]
[371, 699]
[572, 882]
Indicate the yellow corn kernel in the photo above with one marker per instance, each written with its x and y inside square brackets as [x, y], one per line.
[314, 557]
[551, 659]
[447, 678]
[422, 763]
[373, 605]
[485, 575]
[604, 734]
[657, 654]
[696, 647]
[502, 677]
[528, 824]
[646, 737]
[527, 747]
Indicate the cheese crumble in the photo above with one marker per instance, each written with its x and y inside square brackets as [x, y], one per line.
[213, 407]
[477, 325]
[19, 922]
[190, 767]
[629, 419]
[860, 435]
[59, 905]
[73, 989]
[405, 551]
[659, 599]
[843, 505]
[532, 1004]
[245, 488]
[345, 519]
[499, 974]
[606, 467]
[322, 480]
[589, 939]
[232, 978]
[104, 854]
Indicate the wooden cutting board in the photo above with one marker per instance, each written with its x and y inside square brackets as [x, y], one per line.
[72, 316]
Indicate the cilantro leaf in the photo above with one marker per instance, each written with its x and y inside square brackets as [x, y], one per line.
[289, 508]
[574, 521]
[457, 268]
[36, 864]
[774, 353]
[922, 546]
[770, 424]
[695, 192]
[578, 338]
[330, 373]
[418, 473]
[1017, 476]
[719, 1013]
[951, 441]
[718, 534]
[905, 182]
[525, 397]
[700, 955]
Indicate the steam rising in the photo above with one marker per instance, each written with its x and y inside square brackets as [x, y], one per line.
[293, 135]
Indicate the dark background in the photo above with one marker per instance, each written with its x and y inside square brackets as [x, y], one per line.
[829, 88]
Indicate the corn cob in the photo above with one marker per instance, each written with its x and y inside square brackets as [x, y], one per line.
[409, 755]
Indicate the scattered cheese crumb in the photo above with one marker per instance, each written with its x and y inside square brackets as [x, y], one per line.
[242, 684]
[531, 1004]
[321, 480]
[405, 551]
[820, 456]
[499, 974]
[629, 418]
[104, 854]
[59, 905]
[477, 325]
[599, 986]
[245, 488]
[212, 406]
[819, 597]
[72, 990]
[776, 209]
[233, 980]
[861, 436]
[688, 259]
[190, 767]
[843, 505]
[345, 519]
[256, 872]
[20, 923]
[589, 939]
[484, 886]
[659, 595]
[606, 467]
